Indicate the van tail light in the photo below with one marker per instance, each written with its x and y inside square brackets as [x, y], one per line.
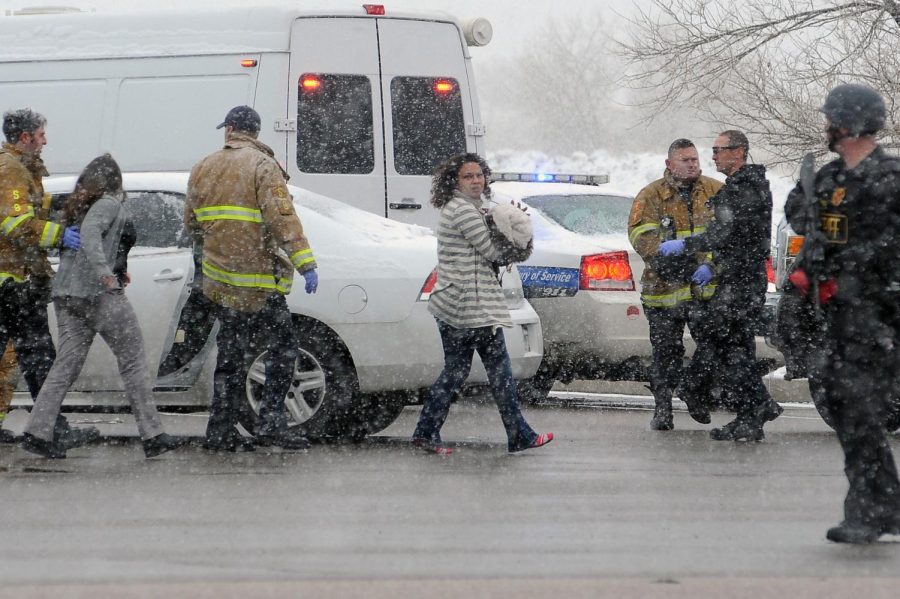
[310, 83]
[770, 270]
[443, 87]
[606, 272]
[428, 287]
[374, 9]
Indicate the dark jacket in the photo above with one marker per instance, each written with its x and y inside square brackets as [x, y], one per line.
[859, 210]
[739, 236]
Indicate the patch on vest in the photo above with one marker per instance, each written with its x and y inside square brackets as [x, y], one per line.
[838, 196]
[835, 228]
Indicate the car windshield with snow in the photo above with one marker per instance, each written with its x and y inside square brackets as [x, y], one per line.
[368, 344]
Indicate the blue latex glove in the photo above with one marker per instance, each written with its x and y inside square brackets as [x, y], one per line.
[671, 248]
[703, 275]
[71, 238]
[312, 280]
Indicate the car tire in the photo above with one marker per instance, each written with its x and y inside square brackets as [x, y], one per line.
[320, 399]
[536, 390]
[374, 412]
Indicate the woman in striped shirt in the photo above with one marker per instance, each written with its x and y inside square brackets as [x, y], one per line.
[469, 306]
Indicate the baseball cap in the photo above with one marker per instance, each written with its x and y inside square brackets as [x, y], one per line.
[242, 118]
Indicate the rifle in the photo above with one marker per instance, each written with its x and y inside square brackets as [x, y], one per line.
[812, 254]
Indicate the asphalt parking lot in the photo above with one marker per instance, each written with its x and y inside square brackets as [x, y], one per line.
[608, 509]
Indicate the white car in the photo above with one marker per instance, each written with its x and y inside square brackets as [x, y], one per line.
[583, 278]
[368, 344]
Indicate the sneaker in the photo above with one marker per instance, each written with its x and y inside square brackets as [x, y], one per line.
[852, 532]
[43, 448]
[431, 446]
[162, 443]
[539, 441]
[738, 430]
[285, 439]
[77, 437]
[232, 441]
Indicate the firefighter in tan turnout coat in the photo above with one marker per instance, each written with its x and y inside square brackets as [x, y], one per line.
[670, 208]
[25, 237]
[239, 210]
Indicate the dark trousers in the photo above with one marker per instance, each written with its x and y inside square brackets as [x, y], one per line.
[274, 328]
[856, 373]
[459, 347]
[23, 319]
[723, 329]
[667, 341]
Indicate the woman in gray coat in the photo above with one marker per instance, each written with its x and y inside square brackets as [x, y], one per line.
[89, 299]
[469, 306]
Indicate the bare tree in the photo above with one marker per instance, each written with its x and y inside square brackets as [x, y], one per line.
[765, 66]
[561, 91]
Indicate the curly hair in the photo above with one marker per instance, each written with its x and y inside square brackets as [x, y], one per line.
[446, 177]
[17, 122]
[102, 175]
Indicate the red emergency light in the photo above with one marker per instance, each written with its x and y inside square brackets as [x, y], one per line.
[443, 87]
[374, 9]
[310, 83]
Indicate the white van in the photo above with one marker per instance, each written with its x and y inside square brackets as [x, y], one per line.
[358, 104]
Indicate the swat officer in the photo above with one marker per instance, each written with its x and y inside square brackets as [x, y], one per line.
[240, 212]
[858, 288]
[25, 273]
[671, 207]
[738, 238]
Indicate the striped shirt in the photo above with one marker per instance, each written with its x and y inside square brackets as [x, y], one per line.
[467, 294]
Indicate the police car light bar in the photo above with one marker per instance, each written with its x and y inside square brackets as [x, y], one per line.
[551, 178]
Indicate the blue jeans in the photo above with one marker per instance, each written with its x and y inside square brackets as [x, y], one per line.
[459, 347]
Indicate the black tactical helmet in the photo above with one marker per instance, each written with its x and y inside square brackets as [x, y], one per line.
[857, 108]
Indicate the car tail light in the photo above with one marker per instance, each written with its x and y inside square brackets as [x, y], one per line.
[770, 270]
[794, 243]
[606, 272]
[428, 287]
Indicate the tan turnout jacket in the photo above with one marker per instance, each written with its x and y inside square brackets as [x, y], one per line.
[654, 206]
[239, 209]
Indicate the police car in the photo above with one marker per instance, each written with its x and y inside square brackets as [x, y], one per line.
[583, 279]
[367, 342]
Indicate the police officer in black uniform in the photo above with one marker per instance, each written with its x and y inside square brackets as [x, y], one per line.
[858, 198]
[738, 237]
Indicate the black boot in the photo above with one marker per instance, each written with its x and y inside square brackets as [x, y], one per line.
[231, 440]
[662, 413]
[42, 448]
[286, 438]
[772, 410]
[69, 438]
[162, 443]
[739, 429]
[7, 437]
[853, 533]
[696, 406]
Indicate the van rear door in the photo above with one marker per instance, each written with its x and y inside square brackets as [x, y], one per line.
[425, 88]
[378, 104]
[337, 147]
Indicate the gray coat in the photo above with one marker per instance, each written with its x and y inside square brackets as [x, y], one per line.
[80, 271]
